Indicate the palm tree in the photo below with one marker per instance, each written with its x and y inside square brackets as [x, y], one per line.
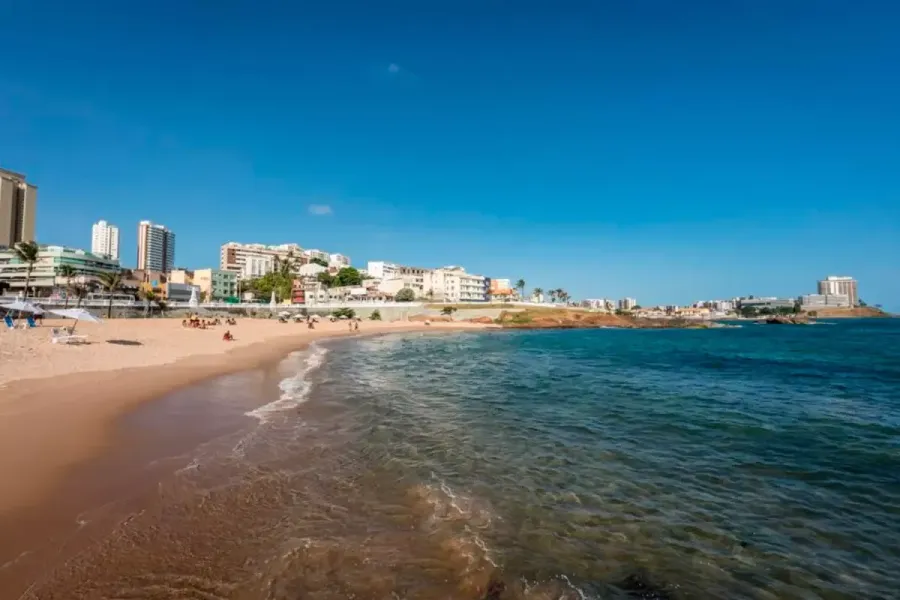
[67, 272]
[110, 282]
[552, 296]
[148, 296]
[80, 292]
[537, 293]
[27, 252]
[562, 295]
[520, 285]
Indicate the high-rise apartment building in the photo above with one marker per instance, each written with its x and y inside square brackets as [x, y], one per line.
[105, 240]
[840, 286]
[18, 205]
[156, 247]
[627, 303]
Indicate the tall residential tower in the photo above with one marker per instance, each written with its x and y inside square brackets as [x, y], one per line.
[156, 248]
[105, 240]
[840, 286]
[18, 204]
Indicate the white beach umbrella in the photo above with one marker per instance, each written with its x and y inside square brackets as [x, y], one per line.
[79, 314]
[22, 306]
[194, 302]
[272, 303]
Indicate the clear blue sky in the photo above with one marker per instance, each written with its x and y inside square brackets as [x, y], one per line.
[670, 151]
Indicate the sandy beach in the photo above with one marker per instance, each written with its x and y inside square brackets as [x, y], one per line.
[57, 402]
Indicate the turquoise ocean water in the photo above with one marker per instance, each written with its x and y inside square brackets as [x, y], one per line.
[760, 462]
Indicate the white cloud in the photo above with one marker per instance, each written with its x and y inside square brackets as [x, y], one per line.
[320, 209]
[393, 68]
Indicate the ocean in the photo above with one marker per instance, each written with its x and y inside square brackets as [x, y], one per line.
[755, 462]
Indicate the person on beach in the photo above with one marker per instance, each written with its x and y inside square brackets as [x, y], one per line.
[356, 325]
[228, 337]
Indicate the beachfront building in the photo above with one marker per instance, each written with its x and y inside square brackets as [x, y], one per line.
[45, 279]
[500, 290]
[105, 240]
[314, 253]
[255, 260]
[453, 284]
[835, 285]
[391, 276]
[18, 208]
[599, 304]
[156, 247]
[180, 292]
[216, 285]
[770, 302]
[817, 301]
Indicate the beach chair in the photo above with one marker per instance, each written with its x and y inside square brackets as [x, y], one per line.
[30, 322]
[62, 336]
[9, 322]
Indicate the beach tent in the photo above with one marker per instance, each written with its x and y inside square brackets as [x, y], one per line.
[79, 314]
[194, 302]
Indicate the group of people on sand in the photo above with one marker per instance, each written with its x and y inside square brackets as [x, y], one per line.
[195, 322]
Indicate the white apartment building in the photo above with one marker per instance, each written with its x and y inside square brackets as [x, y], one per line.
[320, 254]
[105, 240]
[338, 260]
[255, 260]
[392, 275]
[156, 248]
[453, 284]
[45, 274]
[627, 303]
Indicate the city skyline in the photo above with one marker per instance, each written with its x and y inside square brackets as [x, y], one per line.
[590, 148]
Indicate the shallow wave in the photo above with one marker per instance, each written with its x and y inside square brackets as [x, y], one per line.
[295, 389]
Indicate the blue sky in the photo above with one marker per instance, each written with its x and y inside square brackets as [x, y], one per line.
[670, 151]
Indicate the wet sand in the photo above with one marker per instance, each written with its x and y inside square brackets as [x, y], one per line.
[60, 437]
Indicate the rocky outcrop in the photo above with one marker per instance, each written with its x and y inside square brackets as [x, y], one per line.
[574, 319]
[482, 320]
[786, 320]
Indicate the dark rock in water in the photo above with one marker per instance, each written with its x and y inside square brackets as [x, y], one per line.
[494, 590]
[637, 586]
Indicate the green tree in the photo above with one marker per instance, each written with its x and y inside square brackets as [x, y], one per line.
[348, 276]
[537, 292]
[405, 295]
[275, 281]
[110, 282]
[27, 252]
[319, 261]
[520, 285]
[67, 272]
[326, 279]
[345, 312]
[375, 316]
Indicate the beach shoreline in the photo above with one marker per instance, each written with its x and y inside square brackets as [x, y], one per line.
[52, 423]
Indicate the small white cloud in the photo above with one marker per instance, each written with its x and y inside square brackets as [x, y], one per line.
[393, 68]
[319, 209]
